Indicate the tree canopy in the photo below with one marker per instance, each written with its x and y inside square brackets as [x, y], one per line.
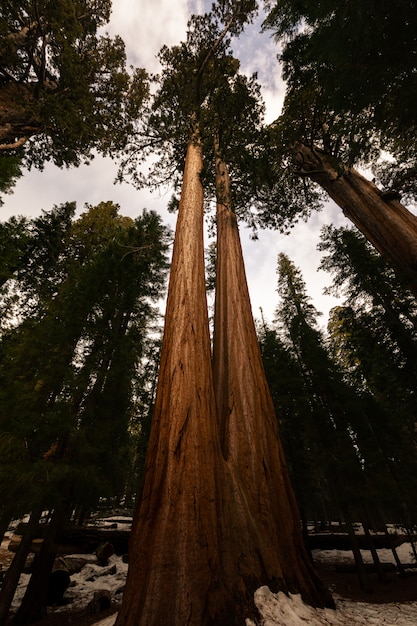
[201, 87]
[65, 90]
[85, 306]
[364, 54]
[361, 61]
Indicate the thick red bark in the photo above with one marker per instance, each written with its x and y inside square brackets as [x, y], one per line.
[265, 542]
[380, 217]
[175, 572]
[217, 516]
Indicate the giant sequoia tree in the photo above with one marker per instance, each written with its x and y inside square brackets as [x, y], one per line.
[175, 556]
[262, 495]
[202, 540]
[321, 137]
[262, 513]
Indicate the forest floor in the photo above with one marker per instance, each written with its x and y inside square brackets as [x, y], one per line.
[397, 592]
[346, 584]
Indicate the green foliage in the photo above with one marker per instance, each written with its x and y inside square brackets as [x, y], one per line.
[295, 304]
[372, 337]
[67, 395]
[202, 96]
[190, 71]
[360, 60]
[349, 442]
[292, 407]
[63, 86]
[31, 256]
[14, 236]
[10, 171]
[378, 298]
[364, 53]
[235, 13]
[326, 412]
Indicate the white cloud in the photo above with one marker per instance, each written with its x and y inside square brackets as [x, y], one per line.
[301, 247]
[147, 25]
[258, 52]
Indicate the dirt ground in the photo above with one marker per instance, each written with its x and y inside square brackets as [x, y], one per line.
[395, 589]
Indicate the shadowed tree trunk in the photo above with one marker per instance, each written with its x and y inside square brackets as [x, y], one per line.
[6, 517]
[174, 576]
[380, 217]
[265, 542]
[34, 602]
[11, 578]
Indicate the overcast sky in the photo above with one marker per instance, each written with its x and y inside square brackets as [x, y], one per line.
[146, 25]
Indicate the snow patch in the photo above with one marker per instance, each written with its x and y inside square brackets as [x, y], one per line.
[281, 610]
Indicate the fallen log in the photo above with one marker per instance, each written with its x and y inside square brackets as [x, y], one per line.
[341, 541]
[78, 539]
[86, 539]
[347, 568]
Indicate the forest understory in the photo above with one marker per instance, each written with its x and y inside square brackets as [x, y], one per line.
[335, 567]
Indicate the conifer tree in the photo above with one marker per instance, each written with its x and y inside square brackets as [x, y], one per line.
[185, 435]
[67, 373]
[373, 290]
[263, 495]
[332, 410]
[373, 337]
[320, 142]
[363, 57]
[292, 405]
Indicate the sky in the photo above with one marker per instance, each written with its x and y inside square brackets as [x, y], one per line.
[146, 25]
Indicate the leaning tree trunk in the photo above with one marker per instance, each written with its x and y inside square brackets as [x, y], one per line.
[265, 543]
[11, 578]
[380, 217]
[6, 517]
[174, 575]
[34, 602]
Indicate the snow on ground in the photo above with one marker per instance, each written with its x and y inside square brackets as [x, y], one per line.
[280, 610]
[275, 609]
[404, 552]
[91, 578]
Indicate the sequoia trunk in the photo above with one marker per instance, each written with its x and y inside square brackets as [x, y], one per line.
[380, 216]
[265, 542]
[174, 552]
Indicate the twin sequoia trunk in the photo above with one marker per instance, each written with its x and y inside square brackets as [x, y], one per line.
[265, 544]
[217, 517]
[380, 217]
[175, 571]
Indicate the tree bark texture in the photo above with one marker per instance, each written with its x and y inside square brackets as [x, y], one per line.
[380, 217]
[265, 538]
[175, 567]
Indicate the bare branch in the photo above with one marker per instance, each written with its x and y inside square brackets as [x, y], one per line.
[13, 146]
